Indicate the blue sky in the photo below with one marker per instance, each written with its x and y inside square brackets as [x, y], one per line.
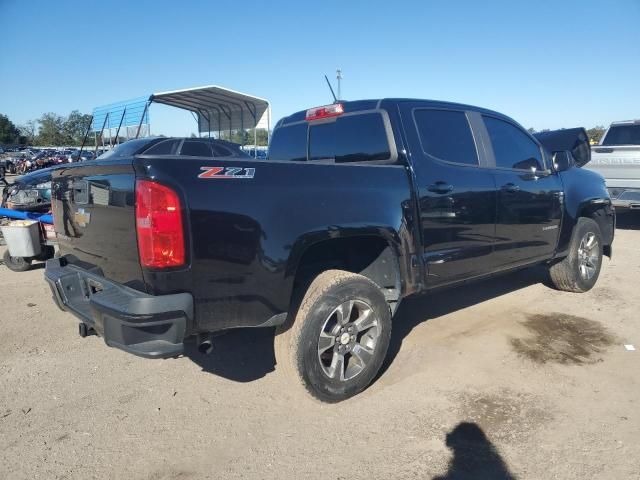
[548, 64]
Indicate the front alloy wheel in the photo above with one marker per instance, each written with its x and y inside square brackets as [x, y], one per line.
[588, 256]
[579, 270]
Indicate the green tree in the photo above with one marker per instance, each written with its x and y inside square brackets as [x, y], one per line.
[51, 130]
[595, 134]
[29, 131]
[75, 126]
[9, 133]
[245, 137]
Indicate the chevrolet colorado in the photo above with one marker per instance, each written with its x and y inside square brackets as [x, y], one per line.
[359, 205]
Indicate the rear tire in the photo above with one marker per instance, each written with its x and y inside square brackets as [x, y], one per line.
[17, 264]
[579, 271]
[339, 338]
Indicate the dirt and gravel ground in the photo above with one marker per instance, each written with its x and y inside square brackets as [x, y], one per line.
[498, 380]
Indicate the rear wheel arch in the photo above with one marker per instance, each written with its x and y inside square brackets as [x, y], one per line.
[371, 256]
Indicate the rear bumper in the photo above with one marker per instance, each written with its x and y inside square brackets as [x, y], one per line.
[138, 323]
[623, 197]
[632, 204]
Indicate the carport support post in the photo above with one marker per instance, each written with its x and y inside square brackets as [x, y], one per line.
[101, 138]
[120, 125]
[84, 139]
[254, 114]
[146, 106]
[242, 127]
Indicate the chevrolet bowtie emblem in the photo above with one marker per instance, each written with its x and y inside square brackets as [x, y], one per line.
[82, 218]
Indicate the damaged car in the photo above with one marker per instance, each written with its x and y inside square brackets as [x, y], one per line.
[30, 192]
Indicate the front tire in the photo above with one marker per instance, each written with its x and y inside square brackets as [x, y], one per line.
[339, 338]
[579, 271]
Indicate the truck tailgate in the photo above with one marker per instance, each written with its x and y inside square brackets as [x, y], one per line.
[619, 165]
[93, 205]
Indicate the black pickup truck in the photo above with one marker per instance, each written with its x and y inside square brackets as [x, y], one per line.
[359, 205]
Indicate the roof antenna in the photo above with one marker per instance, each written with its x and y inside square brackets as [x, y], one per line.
[331, 88]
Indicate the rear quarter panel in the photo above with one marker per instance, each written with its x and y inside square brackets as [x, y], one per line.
[247, 234]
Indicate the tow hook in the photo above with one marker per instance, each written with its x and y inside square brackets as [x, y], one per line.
[205, 343]
[85, 331]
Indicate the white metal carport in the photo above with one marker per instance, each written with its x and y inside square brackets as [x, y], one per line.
[217, 109]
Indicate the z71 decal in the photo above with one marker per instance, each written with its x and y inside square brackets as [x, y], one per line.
[227, 172]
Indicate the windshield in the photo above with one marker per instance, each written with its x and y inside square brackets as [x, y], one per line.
[623, 135]
[127, 149]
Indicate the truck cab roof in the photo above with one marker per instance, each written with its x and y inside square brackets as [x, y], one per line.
[386, 103]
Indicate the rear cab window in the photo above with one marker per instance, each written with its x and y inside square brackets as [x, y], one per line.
[348, 138]
[622, 135]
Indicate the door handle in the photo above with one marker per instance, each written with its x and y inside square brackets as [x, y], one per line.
[510, 188]
[440, 187]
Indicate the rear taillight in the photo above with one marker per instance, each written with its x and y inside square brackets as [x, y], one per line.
[159, 225]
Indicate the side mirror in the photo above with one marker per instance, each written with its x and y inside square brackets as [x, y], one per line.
[562, 161]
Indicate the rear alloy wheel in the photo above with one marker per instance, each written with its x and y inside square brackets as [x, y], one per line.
[17, 264]
[348, 339]
[579, 270]
[339, 339]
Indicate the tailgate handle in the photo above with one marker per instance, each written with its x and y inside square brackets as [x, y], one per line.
[440, 187]
[81, 192]
[510, 187]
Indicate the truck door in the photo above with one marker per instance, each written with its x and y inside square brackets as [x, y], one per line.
[457, 195]
[530, 196]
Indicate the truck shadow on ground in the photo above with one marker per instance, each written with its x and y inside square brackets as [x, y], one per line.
[420, 309]
[241, 355]
[628, 220]
[245, 355]
[474, 456]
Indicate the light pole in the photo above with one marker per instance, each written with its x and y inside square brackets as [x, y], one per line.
[339, 78]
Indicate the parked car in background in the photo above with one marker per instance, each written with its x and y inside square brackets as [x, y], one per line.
[7, 165]
[30, 192]
[76, 156]
[13, 163]
[617, 159]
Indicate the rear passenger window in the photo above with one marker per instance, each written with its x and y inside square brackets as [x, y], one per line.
[166, 147]
[446, 135]
[220, 151]
[352, 138]
[194, 148]
[512, 147]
